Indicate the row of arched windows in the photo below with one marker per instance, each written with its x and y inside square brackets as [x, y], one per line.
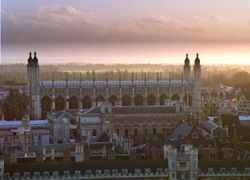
[60, 102]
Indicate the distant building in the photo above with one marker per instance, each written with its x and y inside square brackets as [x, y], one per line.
[17, 133]
[136, 122]
[243, 105]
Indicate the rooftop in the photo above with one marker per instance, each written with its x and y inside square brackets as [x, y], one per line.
[181, 131]
[33, 123]
[113, 82]
[132, 110]
[87, 165]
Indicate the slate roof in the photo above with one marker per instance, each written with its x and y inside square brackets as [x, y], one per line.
[182, 130]
[244, 118]
[134, 110]
[66, 113]
[143, 110]
[94, 110]
[11, 124]
[90, 120]
[116, 110]
[208, 126]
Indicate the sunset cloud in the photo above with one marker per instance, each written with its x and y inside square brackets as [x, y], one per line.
[67, 24]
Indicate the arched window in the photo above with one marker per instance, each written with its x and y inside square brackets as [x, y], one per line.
[175, 97]
[126, 100]
[86, 102]
[163, 99]
[73, 102]
[59, 103]
[139, 100]
[112, 100]
[46, 106]
[99, 100]
[151, 100]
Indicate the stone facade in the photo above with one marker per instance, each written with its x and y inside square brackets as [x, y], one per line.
[182, 162]
[23, 133]
[48, 96]
[120, 122]
[33, 87]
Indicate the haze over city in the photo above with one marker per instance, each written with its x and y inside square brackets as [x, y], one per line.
[116, 31]
[125, 89]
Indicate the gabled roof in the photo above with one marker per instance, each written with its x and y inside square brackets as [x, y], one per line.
[213, 128]
[143, 110]
[180, 131]
[70, 113]
[133, 110]
[208, 126]
[94, 110]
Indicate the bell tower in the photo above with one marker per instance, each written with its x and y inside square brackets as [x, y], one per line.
[33, 87]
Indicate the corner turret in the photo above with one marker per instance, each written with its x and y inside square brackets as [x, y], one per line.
[33, 87]
[186, 69]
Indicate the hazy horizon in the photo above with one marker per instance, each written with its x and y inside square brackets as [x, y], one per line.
[157, 32]
[129, 53]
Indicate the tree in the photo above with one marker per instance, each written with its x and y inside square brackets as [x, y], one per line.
[240, 78]
[15, 105]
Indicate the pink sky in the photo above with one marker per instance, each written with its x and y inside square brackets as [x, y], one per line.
[126, 31]
[173, 53]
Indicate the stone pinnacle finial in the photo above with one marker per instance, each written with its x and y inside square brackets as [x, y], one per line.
[35, 54]
[30, 58]
[187, 60]
[197, 60]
